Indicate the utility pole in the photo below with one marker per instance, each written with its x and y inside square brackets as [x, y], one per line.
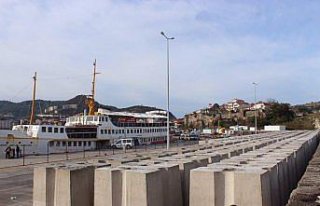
[255, 109]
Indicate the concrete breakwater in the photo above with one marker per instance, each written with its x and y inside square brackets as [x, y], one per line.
[308, 189]
[248, 170]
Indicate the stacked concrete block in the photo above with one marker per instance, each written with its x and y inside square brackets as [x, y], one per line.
[108, 186]
[74, 186]
[218, 172]
[265, 176]
[64, 184]
[44, 186]
[138, 185]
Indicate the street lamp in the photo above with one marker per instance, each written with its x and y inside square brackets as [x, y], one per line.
[255, 110]
[168, 111]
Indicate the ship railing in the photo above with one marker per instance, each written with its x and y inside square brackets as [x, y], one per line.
[135, 124]
[66, 151]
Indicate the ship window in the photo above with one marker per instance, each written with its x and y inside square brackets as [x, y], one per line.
[109, 131]
[69, 144]
[80, 143]
[61, 130]
[102, 131]
[128, 131]
[74, 144]
[123, 131]
[84, 143]
[56, 130]
[64, 144]
[113, 131]
[43, 129]
[89, 144]
[49, 129]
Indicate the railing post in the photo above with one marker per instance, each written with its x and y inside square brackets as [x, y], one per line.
[23, 160]
[67, 157]
[48, 151]
[84, 151]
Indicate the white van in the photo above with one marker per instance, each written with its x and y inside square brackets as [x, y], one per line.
[123, 143]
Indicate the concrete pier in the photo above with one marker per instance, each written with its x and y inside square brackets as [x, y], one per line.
[308, 192]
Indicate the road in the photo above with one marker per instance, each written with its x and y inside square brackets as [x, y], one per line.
[16, 186]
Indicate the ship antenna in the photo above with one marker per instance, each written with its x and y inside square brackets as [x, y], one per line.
[91, 100]
[33, 98]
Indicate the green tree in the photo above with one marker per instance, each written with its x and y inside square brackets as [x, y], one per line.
[279, 113]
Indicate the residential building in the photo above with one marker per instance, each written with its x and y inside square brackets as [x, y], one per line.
[236, 105]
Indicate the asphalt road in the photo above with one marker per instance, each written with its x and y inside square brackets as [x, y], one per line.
[16, 186]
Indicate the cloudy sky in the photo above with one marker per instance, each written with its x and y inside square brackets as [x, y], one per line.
[220, 48]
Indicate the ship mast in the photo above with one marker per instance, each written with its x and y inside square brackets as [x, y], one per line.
[33, 98]
[91, 101]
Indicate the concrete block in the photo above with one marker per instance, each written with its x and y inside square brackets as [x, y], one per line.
[74, 186]
[43, 186]
[108, 186]
[252, 188]
[206, 187]
[143, 188]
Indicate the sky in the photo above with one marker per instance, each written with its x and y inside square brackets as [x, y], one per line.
[220, 48]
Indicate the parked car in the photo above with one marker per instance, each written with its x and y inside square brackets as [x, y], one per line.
[183, 136]
[194, 137]
[123, 143]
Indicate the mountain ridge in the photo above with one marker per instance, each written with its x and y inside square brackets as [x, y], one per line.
[75, 105]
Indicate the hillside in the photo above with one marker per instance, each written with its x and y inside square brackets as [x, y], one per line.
[75, 105]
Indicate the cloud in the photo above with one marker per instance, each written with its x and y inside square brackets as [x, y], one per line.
[221, 47]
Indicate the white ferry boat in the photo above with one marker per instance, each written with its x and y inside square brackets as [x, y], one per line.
[86, 132]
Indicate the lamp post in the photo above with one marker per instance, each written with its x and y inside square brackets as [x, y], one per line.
[255, 110]
[168, 92]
